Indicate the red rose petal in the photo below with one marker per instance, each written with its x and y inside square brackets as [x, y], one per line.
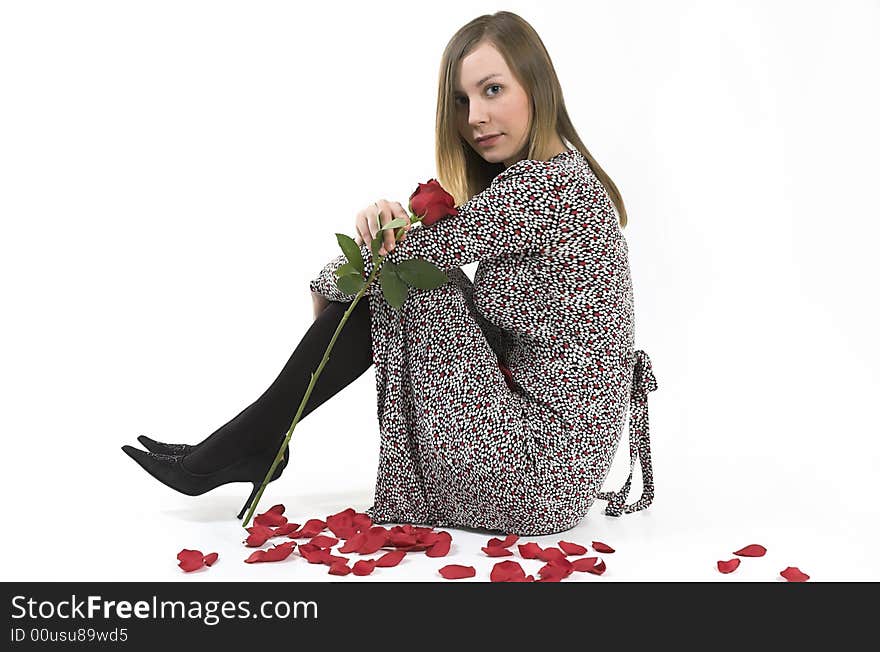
[314, 554]
[277, 553]
[497, 551]
[339, 569]
[391, 558]
[401, 539]
[335, 559]
[323, 541]
[310, 528]
[529, 550]
[441, 547]
[341, 524]
[728, 566]
[794, 574]
[457, 571]
[375, 538]
[211, 558]
[555, 572]
[272, 517]
[190, 560]
[753, 550]
[598, 546]
[364, 566]
[362, 522]
[259, 534]
[570, 548]
[353, 543]
[584, 564]
[507, 571]
[285, 529]
[508, 541]
[597, 568]
[550, 554]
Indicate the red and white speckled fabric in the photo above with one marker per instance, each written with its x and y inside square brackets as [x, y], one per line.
[552, 301]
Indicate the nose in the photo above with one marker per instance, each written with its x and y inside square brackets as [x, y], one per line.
[476, 114]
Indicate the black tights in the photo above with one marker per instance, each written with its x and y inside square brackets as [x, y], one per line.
[263, 424]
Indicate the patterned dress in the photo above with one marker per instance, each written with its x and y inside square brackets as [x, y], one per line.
[501, 403]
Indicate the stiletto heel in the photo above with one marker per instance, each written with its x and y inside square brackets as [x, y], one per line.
[247, 503]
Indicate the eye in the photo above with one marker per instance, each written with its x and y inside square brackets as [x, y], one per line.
[494, 86]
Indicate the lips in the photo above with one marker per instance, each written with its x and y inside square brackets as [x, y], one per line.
[488, 140]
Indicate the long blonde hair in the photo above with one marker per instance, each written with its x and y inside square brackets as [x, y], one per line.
[462, 171]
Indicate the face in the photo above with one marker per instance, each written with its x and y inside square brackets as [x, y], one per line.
[489, 101]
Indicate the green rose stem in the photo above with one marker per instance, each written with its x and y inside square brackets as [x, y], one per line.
[317, 373]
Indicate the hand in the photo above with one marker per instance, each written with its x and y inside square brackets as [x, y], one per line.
[367, 223]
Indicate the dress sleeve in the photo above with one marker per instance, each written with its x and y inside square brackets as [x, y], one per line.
[517, 213]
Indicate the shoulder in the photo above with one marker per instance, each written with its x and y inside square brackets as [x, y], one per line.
[530, 175]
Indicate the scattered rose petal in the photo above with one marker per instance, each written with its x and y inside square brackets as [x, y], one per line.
[342, 524]
[259, 534]
[728, 566]
[277, 553]
[271, 517]
[375, 538]
[457, 571]
[314, 554]
[211, 558]
[283, 530]
[555, 571]
[584, 564]
[335, 559]
[507, 571]
[529, 550]
[401, 539]
[598, 568]
[551, 554]
[497, 551]
[508, 541]
[323, 541]
[352, 544]
[390, 558]
[339, 569]
[190, 560]
[362, 522]
[794, 574]
[753, 550]
[598, 546]
[364, 566]
[570, 548]
[441, 547]
[309, 529]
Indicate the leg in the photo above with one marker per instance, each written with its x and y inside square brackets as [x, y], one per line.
[263, 423]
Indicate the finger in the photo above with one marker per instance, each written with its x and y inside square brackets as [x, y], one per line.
[387, 215]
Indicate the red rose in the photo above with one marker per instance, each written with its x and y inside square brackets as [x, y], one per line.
[431, 201]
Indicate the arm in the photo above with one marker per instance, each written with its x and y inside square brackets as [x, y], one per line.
[517, 213]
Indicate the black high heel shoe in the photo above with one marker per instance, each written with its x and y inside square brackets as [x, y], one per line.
[165, 449]
[169, 471]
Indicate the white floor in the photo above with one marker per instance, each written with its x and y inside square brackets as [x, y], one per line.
[79, 509]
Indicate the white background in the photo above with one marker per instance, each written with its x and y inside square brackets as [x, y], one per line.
[171, 177]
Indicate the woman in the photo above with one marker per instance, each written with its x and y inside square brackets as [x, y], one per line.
[501, 403]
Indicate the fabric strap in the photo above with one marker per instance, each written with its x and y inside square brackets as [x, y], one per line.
[639, 441]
